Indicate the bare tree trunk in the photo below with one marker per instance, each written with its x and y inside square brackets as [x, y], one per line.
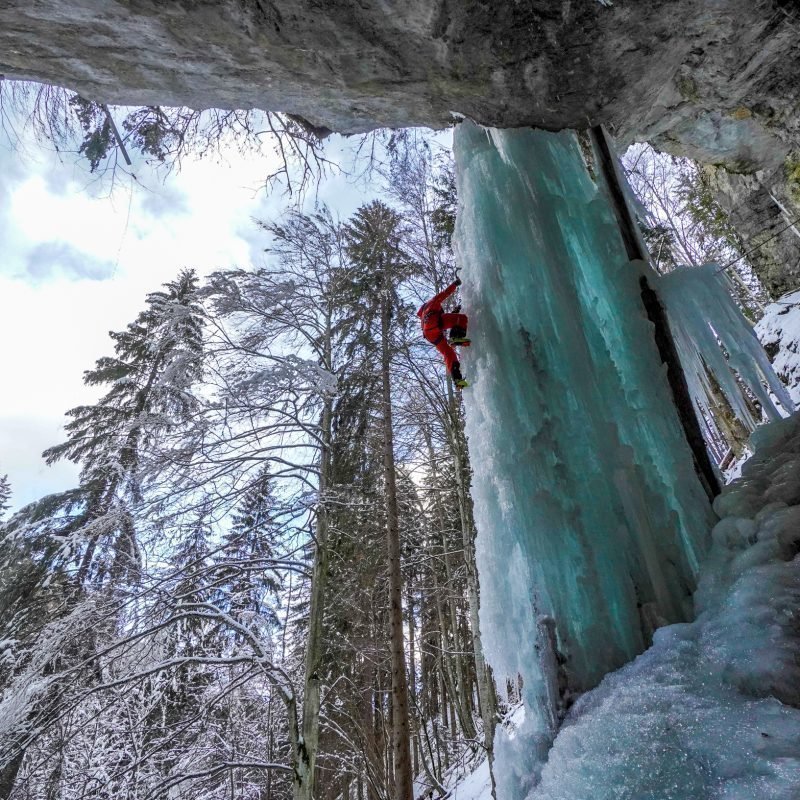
[373, 763]
[400, 723]
[456, 682]
[427, 649]
[458, 691]
[8, 774]
[270, 745]
[450, 680]
[447, 713]
[389, 751]
[412, 682]
[305, 754]
[486, 691]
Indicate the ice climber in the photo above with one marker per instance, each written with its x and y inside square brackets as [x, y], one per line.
[435, 322]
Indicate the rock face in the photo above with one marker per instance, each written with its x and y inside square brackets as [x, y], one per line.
[764, 207]
[714, 79]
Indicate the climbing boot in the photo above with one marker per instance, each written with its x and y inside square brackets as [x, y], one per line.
[458, 378]
[458, 336]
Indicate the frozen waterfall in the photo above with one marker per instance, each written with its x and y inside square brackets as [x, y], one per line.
[591, 518]
[712, 710]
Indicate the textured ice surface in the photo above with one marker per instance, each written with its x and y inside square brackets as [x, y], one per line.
[779, 332]
[589, 512]
[710, 711]
[701, 313]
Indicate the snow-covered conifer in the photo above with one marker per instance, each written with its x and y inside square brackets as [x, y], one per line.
[157, 359]
[247, 560]
[5, 495]
[373, 243]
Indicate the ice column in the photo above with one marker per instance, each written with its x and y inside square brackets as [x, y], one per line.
[591, 519]
[704, 319]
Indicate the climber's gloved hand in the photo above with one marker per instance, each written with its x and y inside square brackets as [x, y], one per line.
[457, 281]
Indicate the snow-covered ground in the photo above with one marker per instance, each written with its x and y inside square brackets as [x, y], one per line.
[469, 778]
[474, 784]
[712, 710]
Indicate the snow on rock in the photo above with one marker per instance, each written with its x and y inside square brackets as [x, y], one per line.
[779, 332]
[712, 709]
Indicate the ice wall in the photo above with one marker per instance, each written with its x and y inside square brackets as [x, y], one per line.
[591, 520]
[712, 710]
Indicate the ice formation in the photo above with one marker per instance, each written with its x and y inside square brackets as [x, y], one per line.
[591, 519]
[711, 709]
[702, 317]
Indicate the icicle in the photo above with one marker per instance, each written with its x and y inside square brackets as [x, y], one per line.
[704, 319]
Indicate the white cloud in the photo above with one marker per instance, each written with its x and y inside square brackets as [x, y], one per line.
[78, 259]
[76, 265]
[22, 440]
[47, 259]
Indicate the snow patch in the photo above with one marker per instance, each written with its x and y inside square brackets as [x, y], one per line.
[779, 332]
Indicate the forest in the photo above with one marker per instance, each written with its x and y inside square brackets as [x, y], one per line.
[214, 610]
[290, 556]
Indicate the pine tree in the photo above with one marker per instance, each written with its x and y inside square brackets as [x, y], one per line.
[173, 729]
[5, 495]
[248, 582]
[373, 237]
[157, 360]
[424, 186]
[356, 651]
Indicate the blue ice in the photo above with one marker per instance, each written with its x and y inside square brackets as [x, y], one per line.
[591, 520]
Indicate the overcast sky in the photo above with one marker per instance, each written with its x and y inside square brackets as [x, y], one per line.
[77, 258]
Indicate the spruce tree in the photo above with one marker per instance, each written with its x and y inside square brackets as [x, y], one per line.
[5, 495]
[249, 584]
[373, 237]
[158, 358]
[173, 729]
[422, 182]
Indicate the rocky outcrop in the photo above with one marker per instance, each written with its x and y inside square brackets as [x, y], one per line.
[764, 207]
[715, 79]
[664, 67]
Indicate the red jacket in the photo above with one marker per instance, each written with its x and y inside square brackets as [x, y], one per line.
[431, 314]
